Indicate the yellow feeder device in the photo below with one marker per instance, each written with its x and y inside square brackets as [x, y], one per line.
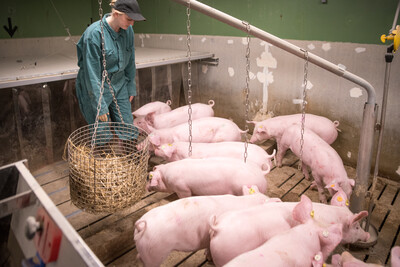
[395, 36]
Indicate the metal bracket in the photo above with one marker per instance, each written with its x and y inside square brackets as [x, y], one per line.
[17, 202]
[213, 61]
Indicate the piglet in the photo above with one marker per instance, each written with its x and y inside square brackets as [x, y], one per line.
[183, 224]
[177, 116]
[274, 127]
[325, 163]
[265, 221]
[348, 260]
[156, 107]
[209, 176]
[180, 150]
[204, 130]
[303, 245]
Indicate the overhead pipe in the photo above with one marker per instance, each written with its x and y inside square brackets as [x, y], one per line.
[369, 116]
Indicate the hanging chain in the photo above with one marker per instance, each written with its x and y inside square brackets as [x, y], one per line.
[247, 89]
[303, 107]
[104, 77]
[189, 93]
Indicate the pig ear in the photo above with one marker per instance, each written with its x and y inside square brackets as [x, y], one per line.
[150, 118]
[303, 211]
[318, 260]
[169, 149]
[251, 122]
[154, 182]
[156, 167]
[339, 199]
[358, 216]
[330, 237]
[352, 182]
[250, 190]
[155, 139]
[260, 129]
[333, 185]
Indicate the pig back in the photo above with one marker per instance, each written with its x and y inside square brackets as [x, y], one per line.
[322, 126]
[156, 106]
[180, 115]
[213, 176]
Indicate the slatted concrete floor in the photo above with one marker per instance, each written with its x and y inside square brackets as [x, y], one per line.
[110, 236]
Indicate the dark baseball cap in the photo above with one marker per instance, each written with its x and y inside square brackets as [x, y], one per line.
[130, 8]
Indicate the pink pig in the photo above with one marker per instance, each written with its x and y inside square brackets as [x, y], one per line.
[177, 116]
[348, 260]
[274, 127]
[157, 107]
[265, 221]
[182, 224]
[204, 130]
[180, 150]
[326, 165]
[303, 245]
[209, 176]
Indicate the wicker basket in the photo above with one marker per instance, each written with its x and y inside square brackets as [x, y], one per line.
[110, 174]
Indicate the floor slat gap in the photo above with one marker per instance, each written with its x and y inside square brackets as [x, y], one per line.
[290, 190]
[384, 220]
[185, 258]
[383, 190]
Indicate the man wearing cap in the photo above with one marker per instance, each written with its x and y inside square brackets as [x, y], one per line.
[120, 64]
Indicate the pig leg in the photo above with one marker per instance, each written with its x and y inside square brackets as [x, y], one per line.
[155, 258]
[320, 188]
[279, 155]
[304, 168]
[184, 192]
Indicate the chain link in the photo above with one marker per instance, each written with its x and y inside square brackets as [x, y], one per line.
[303, 108]
[104, 77]
[247, 89]
[189, 93]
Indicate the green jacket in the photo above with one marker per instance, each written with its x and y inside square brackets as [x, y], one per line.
[120, 64]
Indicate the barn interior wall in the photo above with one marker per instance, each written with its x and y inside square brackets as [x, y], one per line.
[343, 32]
[276, 86]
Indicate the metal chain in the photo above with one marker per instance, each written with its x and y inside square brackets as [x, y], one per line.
[303, 107]
[105, 77]
[189, 93]
[247, 89]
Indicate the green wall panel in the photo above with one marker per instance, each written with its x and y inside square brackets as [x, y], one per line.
[357, 21]
[39, 18]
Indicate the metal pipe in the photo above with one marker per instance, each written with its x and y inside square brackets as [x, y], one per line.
[389, 58]
[357, 200]
[368, 123]
[278, 42]
[395, 18]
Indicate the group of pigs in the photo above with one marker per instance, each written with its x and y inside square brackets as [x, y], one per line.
[222, 206]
